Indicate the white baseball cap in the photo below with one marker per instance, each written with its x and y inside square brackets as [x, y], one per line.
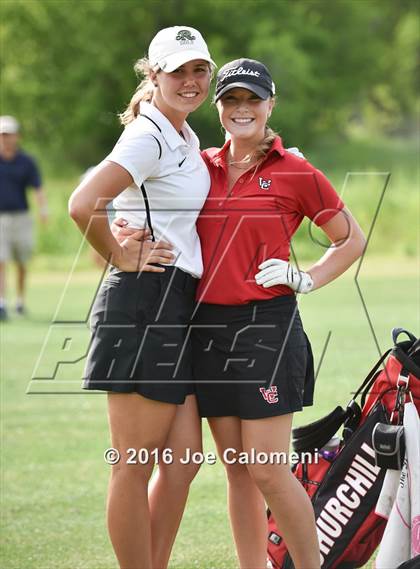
[172, 47]
[8, 125]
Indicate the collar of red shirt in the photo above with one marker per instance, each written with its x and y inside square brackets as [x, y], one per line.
[219, 159]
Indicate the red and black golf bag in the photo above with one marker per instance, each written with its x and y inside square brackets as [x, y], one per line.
[344, 486]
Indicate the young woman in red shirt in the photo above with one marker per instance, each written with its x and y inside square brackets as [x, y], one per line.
[252, 360]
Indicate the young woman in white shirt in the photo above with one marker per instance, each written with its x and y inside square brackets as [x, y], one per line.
[143, 307]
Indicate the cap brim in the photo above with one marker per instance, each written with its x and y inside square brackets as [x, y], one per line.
[172, 62]
[8, 131]
[256, 89]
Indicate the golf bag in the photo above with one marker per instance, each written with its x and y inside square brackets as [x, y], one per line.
[344, 483]
[412, 564]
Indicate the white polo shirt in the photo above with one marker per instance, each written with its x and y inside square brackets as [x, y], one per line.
[175, 178]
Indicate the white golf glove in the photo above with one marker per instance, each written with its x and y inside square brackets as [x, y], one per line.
[277, 272]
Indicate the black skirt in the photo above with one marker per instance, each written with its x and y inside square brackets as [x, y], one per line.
[140, 335]
[252, 361]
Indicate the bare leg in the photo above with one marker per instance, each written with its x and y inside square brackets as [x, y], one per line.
[139, 423]
[3, 309]
[247, 513]
[168, 491]
[288, 501]
[2, 280]
[21, 281]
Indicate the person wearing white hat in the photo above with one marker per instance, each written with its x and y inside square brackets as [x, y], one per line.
[156, 162]
[18, 173]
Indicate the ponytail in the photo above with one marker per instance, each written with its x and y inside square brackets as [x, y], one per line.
[143, 92]
[266, 143]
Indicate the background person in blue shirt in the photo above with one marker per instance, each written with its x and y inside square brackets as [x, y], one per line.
[18, 173]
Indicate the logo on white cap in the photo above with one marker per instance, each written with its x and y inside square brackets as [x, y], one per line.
[185, 37]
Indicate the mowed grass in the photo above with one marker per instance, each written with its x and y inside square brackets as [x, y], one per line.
[54, 478]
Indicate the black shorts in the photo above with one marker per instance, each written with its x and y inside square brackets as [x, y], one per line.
[140, 343]
[252, 361]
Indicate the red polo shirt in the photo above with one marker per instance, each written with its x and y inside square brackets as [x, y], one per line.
[256, 221]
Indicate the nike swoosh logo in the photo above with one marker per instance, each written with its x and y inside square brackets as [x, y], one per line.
[182, 161]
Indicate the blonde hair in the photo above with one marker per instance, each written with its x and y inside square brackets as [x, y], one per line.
[262, 149]
[266, 143]
[143, 92]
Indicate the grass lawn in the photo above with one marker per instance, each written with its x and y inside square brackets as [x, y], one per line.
[54, 478]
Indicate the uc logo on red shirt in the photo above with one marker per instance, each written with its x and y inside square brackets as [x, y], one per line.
[264, 184]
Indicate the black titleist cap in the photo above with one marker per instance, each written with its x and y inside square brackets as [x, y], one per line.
[246, 73]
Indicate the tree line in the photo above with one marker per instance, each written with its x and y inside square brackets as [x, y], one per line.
[67, 66]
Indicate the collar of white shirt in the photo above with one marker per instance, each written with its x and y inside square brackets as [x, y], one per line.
[170, 134]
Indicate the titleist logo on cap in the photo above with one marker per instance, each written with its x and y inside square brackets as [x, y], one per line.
[239, 71]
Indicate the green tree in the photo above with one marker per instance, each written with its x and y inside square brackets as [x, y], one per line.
[66, 67]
